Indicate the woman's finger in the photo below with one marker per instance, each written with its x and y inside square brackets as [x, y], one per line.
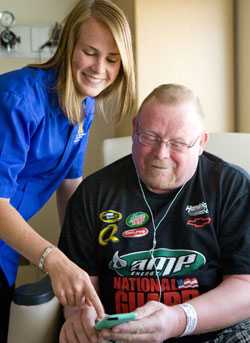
[95, 301]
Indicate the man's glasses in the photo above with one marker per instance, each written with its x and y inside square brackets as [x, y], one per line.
[155, 141]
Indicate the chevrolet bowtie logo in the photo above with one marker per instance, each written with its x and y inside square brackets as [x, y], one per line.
[199, 222]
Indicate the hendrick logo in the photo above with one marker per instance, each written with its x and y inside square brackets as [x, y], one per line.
[197, 209]
[137, 219]
[134, 233]
[164, 262]
[110, 216]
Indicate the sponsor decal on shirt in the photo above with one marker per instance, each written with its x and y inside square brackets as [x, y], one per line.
[164, 262]
[187, 283]
[137, 281]
[199, 222]
[197, 209]
[80, 133]
[110, 216]
[133, 292]
[134, 233]
[137, 219]
[108, 235]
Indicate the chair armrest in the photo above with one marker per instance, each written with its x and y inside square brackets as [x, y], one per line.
[34, 293]
[35, 314]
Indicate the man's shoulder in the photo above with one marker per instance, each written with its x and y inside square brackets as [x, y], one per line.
[216, 170]
[111, 178]
[114, 170]
[114, 173]
[213, 161]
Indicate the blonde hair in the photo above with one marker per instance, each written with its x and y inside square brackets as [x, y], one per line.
[119, 97]
[174, 94]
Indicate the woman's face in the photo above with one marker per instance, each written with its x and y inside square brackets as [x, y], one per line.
[96, 60]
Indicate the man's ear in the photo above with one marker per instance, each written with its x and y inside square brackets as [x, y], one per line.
[203, 141]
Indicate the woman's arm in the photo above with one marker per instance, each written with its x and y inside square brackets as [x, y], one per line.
[70, 283]
[17, 233]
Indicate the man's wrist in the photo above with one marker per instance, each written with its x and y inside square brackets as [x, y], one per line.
[191, 318]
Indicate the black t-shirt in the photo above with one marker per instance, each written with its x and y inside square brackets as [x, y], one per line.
[204, 234]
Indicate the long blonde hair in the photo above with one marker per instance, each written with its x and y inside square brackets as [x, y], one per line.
[118, 99]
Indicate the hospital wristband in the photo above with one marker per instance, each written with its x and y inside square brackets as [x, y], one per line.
[191, 318]
[44, 255]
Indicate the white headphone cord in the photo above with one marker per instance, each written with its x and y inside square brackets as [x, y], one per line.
[156, 227]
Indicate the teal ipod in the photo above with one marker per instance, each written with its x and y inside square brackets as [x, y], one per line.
[114, 319]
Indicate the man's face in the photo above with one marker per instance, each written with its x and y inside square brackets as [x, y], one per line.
[159, 168]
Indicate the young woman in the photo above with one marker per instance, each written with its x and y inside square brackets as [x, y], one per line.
[46, 111]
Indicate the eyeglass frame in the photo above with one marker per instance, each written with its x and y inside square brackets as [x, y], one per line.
[159, 141]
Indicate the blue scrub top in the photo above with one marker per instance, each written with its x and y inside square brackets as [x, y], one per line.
[38, 146]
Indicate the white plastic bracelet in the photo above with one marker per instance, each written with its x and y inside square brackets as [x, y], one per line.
[191, 318]
[44, 255]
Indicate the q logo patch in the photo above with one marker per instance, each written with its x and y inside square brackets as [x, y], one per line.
[107, 235]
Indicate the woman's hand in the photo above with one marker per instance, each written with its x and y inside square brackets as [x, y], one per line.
[155, 323]
[79, 327]
[71, 284]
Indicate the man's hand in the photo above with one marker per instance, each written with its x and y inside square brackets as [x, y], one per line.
[79, 327]
[156, 322]
[70, 283]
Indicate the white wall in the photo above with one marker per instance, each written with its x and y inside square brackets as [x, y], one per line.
[32, 12]
[188, 42]
[37, 11]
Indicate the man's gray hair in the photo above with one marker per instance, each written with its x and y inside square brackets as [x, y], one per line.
[174, 94]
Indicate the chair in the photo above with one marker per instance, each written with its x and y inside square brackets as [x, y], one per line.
[231, 147]
[42, 320]
[35, 314]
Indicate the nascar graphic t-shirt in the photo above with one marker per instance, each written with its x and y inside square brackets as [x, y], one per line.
[108, 231]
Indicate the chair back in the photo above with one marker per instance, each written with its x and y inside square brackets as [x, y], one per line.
[230, 146]
[35, 314]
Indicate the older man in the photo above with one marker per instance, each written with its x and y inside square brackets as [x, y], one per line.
[169, 222]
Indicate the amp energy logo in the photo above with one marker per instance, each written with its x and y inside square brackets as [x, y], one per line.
[164, 263]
